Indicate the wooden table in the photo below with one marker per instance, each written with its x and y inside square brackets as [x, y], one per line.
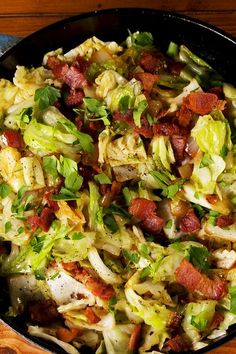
[21, 17]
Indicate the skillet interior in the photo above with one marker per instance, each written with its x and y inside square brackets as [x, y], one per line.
[211, 44]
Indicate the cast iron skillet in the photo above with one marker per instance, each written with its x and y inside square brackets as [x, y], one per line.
[210, 43]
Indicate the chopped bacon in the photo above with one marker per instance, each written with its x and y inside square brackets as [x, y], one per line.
[116, 188]
[178, 143]
[13, 139]
[147, 79]
[145, 129]
[33, 221]
[52, 62]
[74, 78]
[71, 75]
[193, 280]
[174, 321]
[224, 221]
[53, 205]
[218, 91]
[87, 172]
[43, 221]
[216, 321]
[46, 218]
[68, 334]
[74, 98]
[201, 102]
[93, 284]
[109, 192]
[43, 311]
[134, 338]
[178, 344]
[70, 266]
[96, 286]
[145, 211]
[60, 70]
[176, 67]
[166, 129]
[82, 63]
[184, 116]
[220, 105]
[124, 117]
[212, 198]
[79, 122]
[151, 63]
[3, 249]
[91, 315]
[190, 222]
[104, 189]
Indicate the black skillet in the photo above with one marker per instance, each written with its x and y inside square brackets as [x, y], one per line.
[210, 43]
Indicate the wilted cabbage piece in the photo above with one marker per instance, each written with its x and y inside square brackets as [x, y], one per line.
[8, 93]
[128, 149]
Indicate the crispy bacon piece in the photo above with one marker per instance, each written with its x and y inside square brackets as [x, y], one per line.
[147, 79]
[33, 221]
[43, 221]
[79, 122]
[176, 67]
[91, 315]
[87, 172]
[93, 284]
[46, 218]
[190, 222]
[52, 204]
[212, 198]
[193, 280]
[220, 105]
[3, 249]
[184, 116]
[178, 143]
[124, 117]
[145, 130]
[224, 221]
[70, 266]
[134, 338]
[74, 98]
[151, 63]
[60, 70]
[216, 321]
[178, 344]
[68, 334]
[109, 192]
[82, 63]
[167, 129]
[201, 102]
[116, 188]
[13, 139]
[43, 311]
[52, 62]
[74, 78]
[104, 189]
[174, 321]
[218, 91]
[145, 211]
[71, 75]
